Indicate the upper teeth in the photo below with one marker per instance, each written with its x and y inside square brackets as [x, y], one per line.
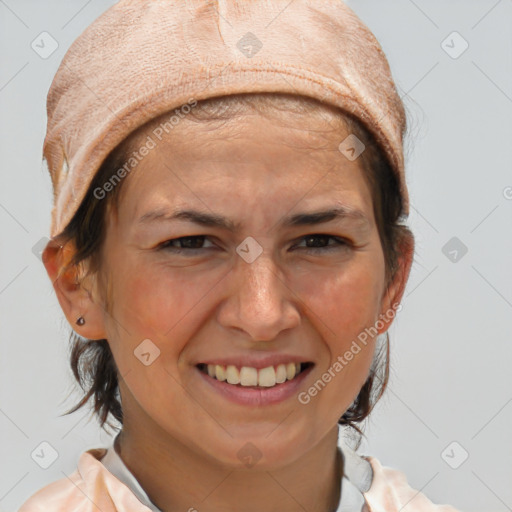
[248, 376]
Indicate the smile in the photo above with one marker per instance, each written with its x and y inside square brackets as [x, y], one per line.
[247, 376]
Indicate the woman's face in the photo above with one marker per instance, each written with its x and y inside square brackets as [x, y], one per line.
[250, 283]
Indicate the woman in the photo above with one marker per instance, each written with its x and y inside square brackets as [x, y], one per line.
[227, 238]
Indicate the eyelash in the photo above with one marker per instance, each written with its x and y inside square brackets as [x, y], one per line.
[340, 243]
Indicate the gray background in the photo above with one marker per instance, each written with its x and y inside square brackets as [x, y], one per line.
[451, 344]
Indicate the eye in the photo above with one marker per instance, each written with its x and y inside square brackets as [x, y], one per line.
[186, 243]
[319, 239]
[195, 243]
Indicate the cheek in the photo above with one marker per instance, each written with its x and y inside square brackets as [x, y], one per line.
[345, 301]
[163, 303]
[345, 304]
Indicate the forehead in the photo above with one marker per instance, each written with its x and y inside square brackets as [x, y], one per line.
[287, 153]
[308, 130]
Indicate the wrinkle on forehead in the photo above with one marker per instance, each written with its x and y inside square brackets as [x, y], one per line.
[311, 137]
[321, 124]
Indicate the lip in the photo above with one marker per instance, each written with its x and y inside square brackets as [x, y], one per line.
[257, 362]
[252, 396]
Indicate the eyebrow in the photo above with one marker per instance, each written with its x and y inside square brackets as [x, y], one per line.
[218, 221]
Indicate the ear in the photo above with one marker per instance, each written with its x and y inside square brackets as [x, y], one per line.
[75, 298]
[395, 290]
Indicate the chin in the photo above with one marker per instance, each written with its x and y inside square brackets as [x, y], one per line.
[258, 447]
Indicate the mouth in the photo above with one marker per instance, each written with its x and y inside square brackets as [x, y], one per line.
[255, 378]
[255, 387]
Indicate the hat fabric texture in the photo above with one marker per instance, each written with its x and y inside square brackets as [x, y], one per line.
[143, 58]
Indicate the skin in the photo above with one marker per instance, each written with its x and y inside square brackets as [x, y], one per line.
[255, 170]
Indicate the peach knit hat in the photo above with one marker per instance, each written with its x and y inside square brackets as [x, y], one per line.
[143, 58]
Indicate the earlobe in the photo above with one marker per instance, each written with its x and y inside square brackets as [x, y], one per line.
[83, 314]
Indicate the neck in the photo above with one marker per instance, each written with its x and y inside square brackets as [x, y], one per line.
[177, 478]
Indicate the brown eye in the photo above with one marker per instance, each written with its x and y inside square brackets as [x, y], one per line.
[185, 243]
[320, 242]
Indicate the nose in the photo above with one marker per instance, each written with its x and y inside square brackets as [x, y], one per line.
[259, 301]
